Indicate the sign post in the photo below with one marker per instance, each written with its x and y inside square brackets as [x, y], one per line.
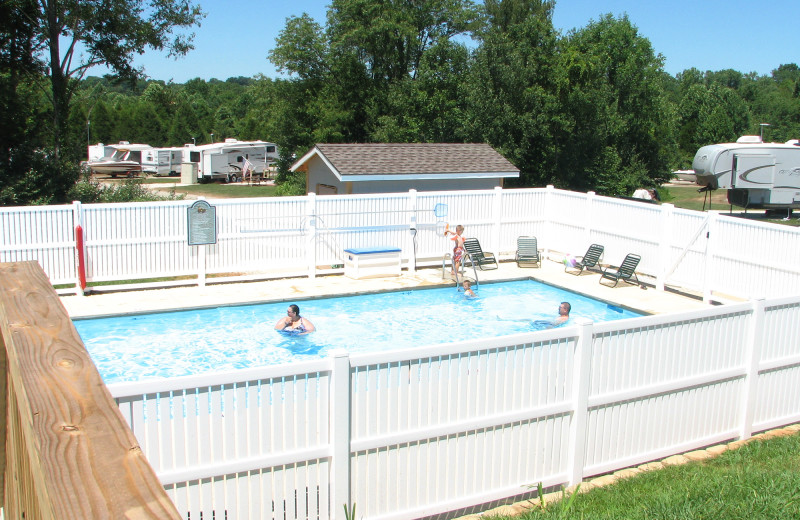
[202, 230]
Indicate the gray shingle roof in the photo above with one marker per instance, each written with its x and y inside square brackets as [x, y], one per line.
[415, 158]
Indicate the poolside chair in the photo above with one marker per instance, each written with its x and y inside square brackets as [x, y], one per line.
[528, 252]
[586, 261]
[477, 257]
[625, 272]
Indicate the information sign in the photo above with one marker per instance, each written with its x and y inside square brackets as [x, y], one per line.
[202, 223]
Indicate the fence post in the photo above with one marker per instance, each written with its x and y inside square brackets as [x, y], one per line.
[80, 246]
[708, 268]
[339, 414]
[664, 243]
[752, 359]
[587, 218]
[413, 230]
[549, 215]
[311, 234]
[582, 363]
[497, 210]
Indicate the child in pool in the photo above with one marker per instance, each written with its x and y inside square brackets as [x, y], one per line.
[468, 292]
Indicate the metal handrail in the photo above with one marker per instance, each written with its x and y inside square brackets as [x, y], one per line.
[449, 257]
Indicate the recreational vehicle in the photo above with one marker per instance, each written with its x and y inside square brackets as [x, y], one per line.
[163, 161]
[232, 160]
[756, 174]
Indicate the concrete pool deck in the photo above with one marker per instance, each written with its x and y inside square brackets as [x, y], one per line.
[298, 289]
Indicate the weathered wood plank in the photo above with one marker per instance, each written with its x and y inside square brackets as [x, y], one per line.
[84, 461]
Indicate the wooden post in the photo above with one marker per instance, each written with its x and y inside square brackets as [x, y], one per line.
[70, 452]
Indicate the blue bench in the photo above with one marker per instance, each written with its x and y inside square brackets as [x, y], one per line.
[372, 262]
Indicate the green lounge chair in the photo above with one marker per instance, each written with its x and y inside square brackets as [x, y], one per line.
[625, 272]
[528, 252]
[586, 261]
[477, 257]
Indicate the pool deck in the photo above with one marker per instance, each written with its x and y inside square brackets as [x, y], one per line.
[292, 290]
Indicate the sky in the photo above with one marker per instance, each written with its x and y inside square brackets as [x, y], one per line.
[236, 35]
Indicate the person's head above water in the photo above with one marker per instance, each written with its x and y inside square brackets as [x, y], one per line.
[466, 284]
[293, 311]
[564, 308]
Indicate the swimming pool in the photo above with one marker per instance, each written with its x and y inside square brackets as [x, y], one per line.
[170, 344]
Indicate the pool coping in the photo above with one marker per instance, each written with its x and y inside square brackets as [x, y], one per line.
[648, 301]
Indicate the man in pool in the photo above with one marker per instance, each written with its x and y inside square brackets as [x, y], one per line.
[563, 316]
[293, 323]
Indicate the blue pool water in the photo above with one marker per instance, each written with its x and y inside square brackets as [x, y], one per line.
[138, 347]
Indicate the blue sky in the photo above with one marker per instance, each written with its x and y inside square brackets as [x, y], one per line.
[747, 36]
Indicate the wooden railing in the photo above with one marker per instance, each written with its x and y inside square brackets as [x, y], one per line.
[66, 451]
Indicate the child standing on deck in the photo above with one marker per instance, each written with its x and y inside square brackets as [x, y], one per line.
[458, 247]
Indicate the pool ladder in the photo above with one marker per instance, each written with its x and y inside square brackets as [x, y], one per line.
[448, 259]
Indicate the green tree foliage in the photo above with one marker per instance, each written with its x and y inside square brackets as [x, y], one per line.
[76, 35]
[29, 173]
[512, 87]
[620, 123]
[589, 110]
[363, 67]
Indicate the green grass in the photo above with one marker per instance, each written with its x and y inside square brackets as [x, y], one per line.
[161, 180]
[758, 481]
[687, 197]
[214, 190]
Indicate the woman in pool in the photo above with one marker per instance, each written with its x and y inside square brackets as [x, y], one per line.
[293, 323]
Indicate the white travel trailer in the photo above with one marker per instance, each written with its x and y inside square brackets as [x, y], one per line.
[226, 161]
[756, 174]
[163, 161]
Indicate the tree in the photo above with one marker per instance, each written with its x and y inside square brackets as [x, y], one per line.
[512, 89]
[621, 126]
[357, 70]
[28, 173]
[96, 32]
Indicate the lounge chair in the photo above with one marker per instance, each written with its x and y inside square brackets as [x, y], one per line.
[625, 272]
[586, 261]
[477, 257]
[528, 252]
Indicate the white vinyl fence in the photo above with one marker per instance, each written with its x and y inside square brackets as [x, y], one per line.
[408, 434]
[303, 236]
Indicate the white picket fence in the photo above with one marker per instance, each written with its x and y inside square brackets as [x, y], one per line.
[420, 432]
[303, 236]
[415, 433]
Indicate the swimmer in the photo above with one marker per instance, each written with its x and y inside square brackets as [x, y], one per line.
[468, 292]
[293, 323]
[563, 315]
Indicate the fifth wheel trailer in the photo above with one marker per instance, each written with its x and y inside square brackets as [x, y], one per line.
[757, 175]
[226, 161]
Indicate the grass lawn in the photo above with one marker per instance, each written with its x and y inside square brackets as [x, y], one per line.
[214, 190]
[758, 481]
[687, 197]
